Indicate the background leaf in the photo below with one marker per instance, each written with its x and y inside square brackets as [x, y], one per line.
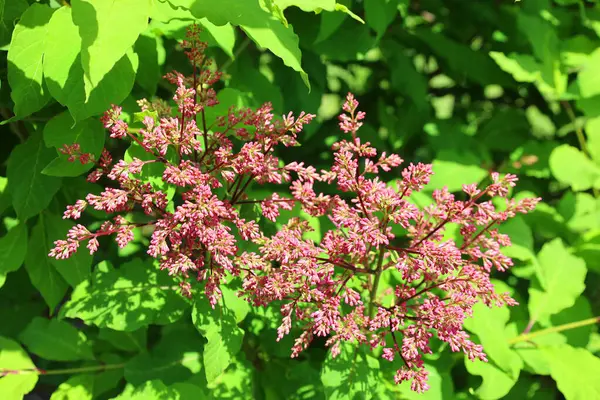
[56, 340]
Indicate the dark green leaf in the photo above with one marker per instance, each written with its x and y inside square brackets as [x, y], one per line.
[42, 273]
[13, 248]
[56, 340]
[31, 191]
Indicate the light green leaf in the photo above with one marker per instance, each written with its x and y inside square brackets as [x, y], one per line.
[454, 168]
[575, 371]
[89, 134]
[56, 340]
[561, 281]
[224, 337]
[125, 299]
[351, 374]
[223, 35]
[149, 390]
[25, 58]
[31, 191]
[13, 357]
[571, 167]
[13, 248]
[306, 5]
[581, 211]
[173, 22]
[592, 131]
[496, 383]
[489, 325]
[263, 28]
[575, 50]
[64, 74]
[43, 276]
[542, 126]
[239, 306]
[77, 387]
[102, 46]
[523, 67]
[588, 78]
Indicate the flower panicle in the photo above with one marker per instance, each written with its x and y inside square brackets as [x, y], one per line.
[328, 287]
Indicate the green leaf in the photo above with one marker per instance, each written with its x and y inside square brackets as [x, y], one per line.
[64, 74]
[31, 191]
[592, 131]
[89, 134]
[224, 337]
[10, 10]
[581, 211]
[13, 357]
[575, 371]
[223, 35]
[463, 61]
[571, 167]
[542, 126]
[306, 5]
[379, 14]
[588, 79]
[263, 28]
[496, 383]
[149, 390]
[561, 281]
[25, 57]
[177, 357]
[440, 386]
[351, 374]
[127, 341]
[149, 71]
[80, 387]
[41, 272]
[56, 340]
[525, 68]
[102, 46]
[173, 22]
[239, 306]
[76, 268]
[13, 248]
[125, 299]
[454, 168]
[489, 325]
[330, 22]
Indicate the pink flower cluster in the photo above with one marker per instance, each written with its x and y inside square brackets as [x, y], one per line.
[331, 288]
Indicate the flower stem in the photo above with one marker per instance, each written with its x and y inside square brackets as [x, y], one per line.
[64, 371]
[571, 325]
[378, 272]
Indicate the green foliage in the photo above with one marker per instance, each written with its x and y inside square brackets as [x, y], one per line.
[471, 87]
[31, 190]
[560, 281]
[56, 340]
[350, 375]
[125, 299]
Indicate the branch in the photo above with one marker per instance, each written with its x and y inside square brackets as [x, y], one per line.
[525, 337]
